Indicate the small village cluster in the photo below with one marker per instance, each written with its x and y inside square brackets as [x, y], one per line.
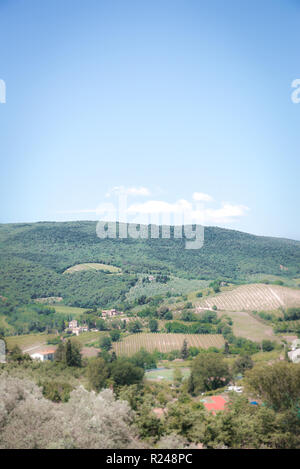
[75, 328]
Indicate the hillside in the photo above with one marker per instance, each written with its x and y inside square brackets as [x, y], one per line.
[253, 297]
[35, 255]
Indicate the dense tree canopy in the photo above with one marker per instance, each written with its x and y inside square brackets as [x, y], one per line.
[209, 371]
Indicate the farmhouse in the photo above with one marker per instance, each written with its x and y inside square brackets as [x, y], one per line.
[73, 324]
[294, 355]
[109, 313]
[296, 344]
[75, 329]
[44, 355]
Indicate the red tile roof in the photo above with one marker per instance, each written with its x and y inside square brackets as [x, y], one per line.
[47, 351]
[217, 404]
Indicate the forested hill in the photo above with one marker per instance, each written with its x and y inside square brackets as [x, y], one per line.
[35, 255]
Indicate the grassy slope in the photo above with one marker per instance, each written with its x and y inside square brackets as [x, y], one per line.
[244, 325]
[92, 266]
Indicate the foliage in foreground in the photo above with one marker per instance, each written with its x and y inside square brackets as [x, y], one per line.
[88, 420]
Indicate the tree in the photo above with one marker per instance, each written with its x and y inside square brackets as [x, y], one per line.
[69, 353]
[97, 372]
[105, 343]
[153, 325]
[149, 426]
[143, 359]
[60, 353]
[16, 355]
[277, 385]
[267, 345]
[177, 376]
[87, 421]
[242, 364]
[209, 371]
[115, 335]
[186, 419]
[184, 350]
[101, 325]
[135, 327]
[123, 372]
[187, 316]
[162, 311]
[57, 391]
[73, 355]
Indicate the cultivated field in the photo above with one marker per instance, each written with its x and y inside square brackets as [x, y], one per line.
[245, 325]
[93, 266]
[253, 297]
[165, 342]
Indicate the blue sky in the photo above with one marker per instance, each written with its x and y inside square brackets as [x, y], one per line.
[176, 103]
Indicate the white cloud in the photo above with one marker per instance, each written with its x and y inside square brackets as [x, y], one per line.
[201, 197]
[227, 213]
[134, 191]
[159, 211]
[159, 206]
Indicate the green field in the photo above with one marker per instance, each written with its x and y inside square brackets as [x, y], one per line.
[175, 286]
[93, 266]
[28, 341]
[165, 342]
[245, 325]
[165, 374]
[69, 310]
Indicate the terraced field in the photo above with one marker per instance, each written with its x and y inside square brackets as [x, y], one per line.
[253, 297]
[93, 266]
[165, 342]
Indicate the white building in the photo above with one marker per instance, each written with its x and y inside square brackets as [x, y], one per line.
[238, 389]
[44, 355]
[75, 328]
[73, 324]
[295, 344]
[110, 313]
[294, 355]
